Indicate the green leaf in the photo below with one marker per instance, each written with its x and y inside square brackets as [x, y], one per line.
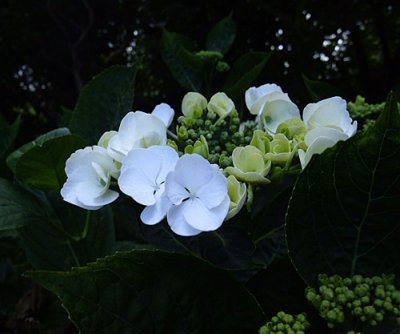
[243, 73]
[43, 166]
[185, 66]
[8, 135]
[222, 35]
[319, 90]
[14, 156]
[153, 292]
[103, 102]
[61, 233]
[18, 207]
[343, 217]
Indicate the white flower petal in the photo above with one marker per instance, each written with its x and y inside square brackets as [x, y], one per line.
[165, 113]
[318, 146]
[175, 190]
[255, 93]
[135, 184]
[333, 134]
[200, 217]
[178, 223]
[153, 214]
[213, 192]
[194, 171]
[276, 112]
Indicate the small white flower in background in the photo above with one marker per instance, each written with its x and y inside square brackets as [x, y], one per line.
[143, 175]
[89, 173]
[221, 104]
[329, 113]
[193, 104]
[199, 194]
[271, 106]
[327, 122]
[165, 113]
[137, 130]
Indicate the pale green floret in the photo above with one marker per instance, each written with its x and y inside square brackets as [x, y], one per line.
[200, 147]
[237, 193]
[105, 138]
[221, 104]
[280, 150]
[249, 165]
[292, 128]
[261, 140]
[193, 105]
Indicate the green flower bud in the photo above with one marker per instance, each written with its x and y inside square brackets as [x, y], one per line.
[292, 128]
[249, 165]
[201, 147]
[222, 66]
[280, 150]
[172, 143]
[193, 105]
[210, 55]
[261, 141]
[182, 133]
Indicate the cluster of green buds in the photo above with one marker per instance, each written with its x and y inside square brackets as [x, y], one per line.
[283, 323]
[348, 301]
[211, 128]
[364, 112]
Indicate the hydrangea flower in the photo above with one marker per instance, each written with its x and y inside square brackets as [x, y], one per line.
[221, 104]
[271, 106]
[89, 173]
[193, 105]
[143, 175]
[330, 113]
[199, 194]
[249, 165]
[137, 130]
[327, 121]
[237, 192]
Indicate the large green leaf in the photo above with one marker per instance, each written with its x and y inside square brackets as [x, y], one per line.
[103, 102]
[320, 90]
[344, 214]
[14, 156]
[185, 66]
[63, 233]
[153, 292]
[18, 207]
[243, 73]
[43, 166]
[8, 134]
[222, 35]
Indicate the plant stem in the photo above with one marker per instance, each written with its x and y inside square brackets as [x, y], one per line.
[87, 223]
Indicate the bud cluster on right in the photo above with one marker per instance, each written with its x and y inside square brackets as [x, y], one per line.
[356, 301]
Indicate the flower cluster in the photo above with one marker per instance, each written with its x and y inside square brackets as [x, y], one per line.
[204, 172]
[285, 323]
[367, 299]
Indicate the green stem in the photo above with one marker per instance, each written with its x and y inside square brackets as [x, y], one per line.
[172, 135]
[73, 254]
[87, 223]
[61, 230]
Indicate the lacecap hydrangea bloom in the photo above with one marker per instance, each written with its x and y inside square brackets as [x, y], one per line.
[89, 173]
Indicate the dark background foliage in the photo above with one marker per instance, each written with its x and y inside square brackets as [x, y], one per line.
[49, 48]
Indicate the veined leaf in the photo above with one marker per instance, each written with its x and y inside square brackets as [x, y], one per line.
[344, 214]
[43, 166]
[222, 35]
[153, 292]
[103, 102]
